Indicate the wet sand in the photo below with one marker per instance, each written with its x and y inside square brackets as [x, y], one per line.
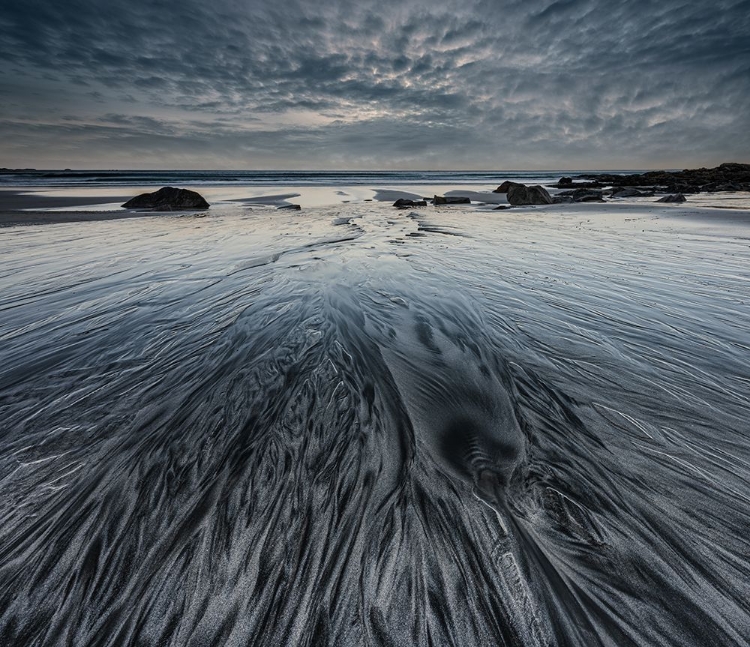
[17, 201]
[362, 425]
[23, 218]
[708, 216]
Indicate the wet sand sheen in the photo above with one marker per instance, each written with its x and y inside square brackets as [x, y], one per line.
[357, 425]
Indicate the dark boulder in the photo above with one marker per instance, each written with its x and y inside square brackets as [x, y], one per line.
[677, 197]
[168, 199]
[503, 188]
[403, 203]
[562, 199]
[450, 199]
[527, 195]
[565, 181]
[293, 207]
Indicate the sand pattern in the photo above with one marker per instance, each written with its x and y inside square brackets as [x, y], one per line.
[359, 425]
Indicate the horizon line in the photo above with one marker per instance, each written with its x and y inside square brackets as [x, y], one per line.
[311, 170]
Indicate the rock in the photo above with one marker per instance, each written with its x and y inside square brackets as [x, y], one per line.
[294, 207]
[503, 188]
[627, 192]
[502, 207]
[524, 195]
[587, 195]
[677, 197]
[168, 199]
[403, 203]
[583, 195]
[562, 199]
[450, 199]
[565, 181]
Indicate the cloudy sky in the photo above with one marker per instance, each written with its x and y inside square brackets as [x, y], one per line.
[425, 84]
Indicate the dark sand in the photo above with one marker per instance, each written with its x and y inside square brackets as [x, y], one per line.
[18, 208]
[345, 427]
[16, 218]
[17, 201]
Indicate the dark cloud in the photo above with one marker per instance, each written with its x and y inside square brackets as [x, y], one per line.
[570, 83]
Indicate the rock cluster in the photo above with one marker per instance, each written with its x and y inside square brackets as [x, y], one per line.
[725, 177]
[405, 203]
[450, 199]
[168, 199]
[629, 192]
[581, 195]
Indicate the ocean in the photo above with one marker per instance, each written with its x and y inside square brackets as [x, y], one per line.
[69, 179]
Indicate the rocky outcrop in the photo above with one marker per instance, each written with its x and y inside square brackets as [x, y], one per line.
[168, 199]
[677, 197]
[403, 203]
[521, 194]
[726, 177]
[450, 199]
[293, 207]
[503, 188]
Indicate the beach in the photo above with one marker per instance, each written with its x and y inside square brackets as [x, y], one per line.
[75, 201]
[422, 324]
[448, 424]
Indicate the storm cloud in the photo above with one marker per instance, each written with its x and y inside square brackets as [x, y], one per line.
[288, 84]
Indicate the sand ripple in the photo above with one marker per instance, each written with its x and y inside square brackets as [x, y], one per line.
[361, 426]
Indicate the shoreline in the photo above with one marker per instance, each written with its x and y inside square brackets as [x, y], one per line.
[42, 204]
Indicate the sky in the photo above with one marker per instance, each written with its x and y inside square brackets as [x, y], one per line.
[374, 84]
